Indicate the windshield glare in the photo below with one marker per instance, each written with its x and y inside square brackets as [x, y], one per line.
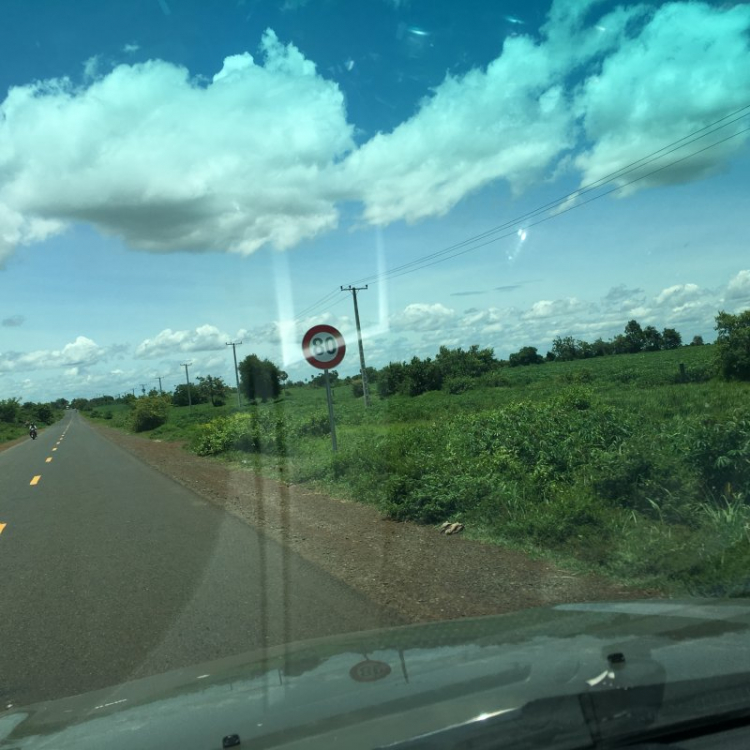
[321, 318]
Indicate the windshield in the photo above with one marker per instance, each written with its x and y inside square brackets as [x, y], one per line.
[321, 317]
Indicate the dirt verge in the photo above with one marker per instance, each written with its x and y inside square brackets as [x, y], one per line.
[412, 569]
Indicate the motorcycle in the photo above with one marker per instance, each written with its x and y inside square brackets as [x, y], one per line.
[32, 433]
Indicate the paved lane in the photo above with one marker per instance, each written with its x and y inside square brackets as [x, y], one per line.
[109, 570]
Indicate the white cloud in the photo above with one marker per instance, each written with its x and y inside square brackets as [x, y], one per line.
[679, 294]
[511, 120]
[169, 342]
[131, 48]
[739, 286]
[687, 67]
[83, 352]
[554, 308]
[423, 317]
[261, 154]
[168, 163]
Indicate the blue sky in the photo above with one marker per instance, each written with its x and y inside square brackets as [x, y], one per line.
[176, 175]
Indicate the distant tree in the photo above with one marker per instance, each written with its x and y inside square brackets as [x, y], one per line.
[601, 348]
[319, 380]
[733, 345]
[390, 379]
[549, 357]
[671, 339]
[697, 341]
[527, 355]
[45, 414]
[471, 363]
[212, 389]
[620, 344]
[180, 396]
[80, 403]
[633, 336]
[9, 410]
[422, 375]
[259, 378]
[652, 339]
[565, 348]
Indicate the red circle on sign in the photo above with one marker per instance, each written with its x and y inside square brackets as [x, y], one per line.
[369, 671]
[323, 347]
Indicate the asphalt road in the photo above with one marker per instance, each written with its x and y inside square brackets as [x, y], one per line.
[111, 571]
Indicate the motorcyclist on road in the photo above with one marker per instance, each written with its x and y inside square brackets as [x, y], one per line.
[32, 430]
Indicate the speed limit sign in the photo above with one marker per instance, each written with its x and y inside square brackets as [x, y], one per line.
[323, 347]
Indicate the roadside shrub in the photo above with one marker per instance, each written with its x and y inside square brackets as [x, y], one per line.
[494, 379]
[148, 413]
[9, 409]
[260, 431]
[459, 384]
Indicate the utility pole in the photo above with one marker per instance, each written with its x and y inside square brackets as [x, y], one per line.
[187, 380]
[158, 377]
[234, 345]
[133, 389]
[363, 369]
[143, 388]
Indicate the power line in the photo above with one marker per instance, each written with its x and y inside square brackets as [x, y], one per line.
[473, 243]
[393, 275]
[446, 254]
[613, 176]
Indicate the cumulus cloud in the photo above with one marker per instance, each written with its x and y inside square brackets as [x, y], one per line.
[13, 321]
[679, 294]
[422, 317]
[688, 66]
[739, 286]
[649, 77]
[263, 153]
[83, 352]
[170, 343]
[168, 162]
[554, 308]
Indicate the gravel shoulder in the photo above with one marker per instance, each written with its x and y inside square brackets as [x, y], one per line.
[414, 570]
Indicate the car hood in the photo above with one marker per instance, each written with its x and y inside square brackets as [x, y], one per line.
[386, 687]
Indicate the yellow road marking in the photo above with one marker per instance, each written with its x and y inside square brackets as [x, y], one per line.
[48, 459]
[2, 526]
[35, 480]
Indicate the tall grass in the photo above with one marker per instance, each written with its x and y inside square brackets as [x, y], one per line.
[621, 462]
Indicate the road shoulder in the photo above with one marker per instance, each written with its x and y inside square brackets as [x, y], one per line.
[412, 569]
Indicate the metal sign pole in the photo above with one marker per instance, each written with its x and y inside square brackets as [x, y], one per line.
[330, 412]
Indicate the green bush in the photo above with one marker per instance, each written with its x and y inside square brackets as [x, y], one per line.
[733, 345]
[459, 384]
[149, 412]
[9, 409]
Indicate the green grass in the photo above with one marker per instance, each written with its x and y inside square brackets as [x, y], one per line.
[613, 462]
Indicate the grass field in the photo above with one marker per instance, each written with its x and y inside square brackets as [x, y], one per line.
[620, 463]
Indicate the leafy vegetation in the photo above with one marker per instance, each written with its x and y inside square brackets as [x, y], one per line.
[733, 345]
[148, 413]
[259, 378]
[16, 416]
[631, 464]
